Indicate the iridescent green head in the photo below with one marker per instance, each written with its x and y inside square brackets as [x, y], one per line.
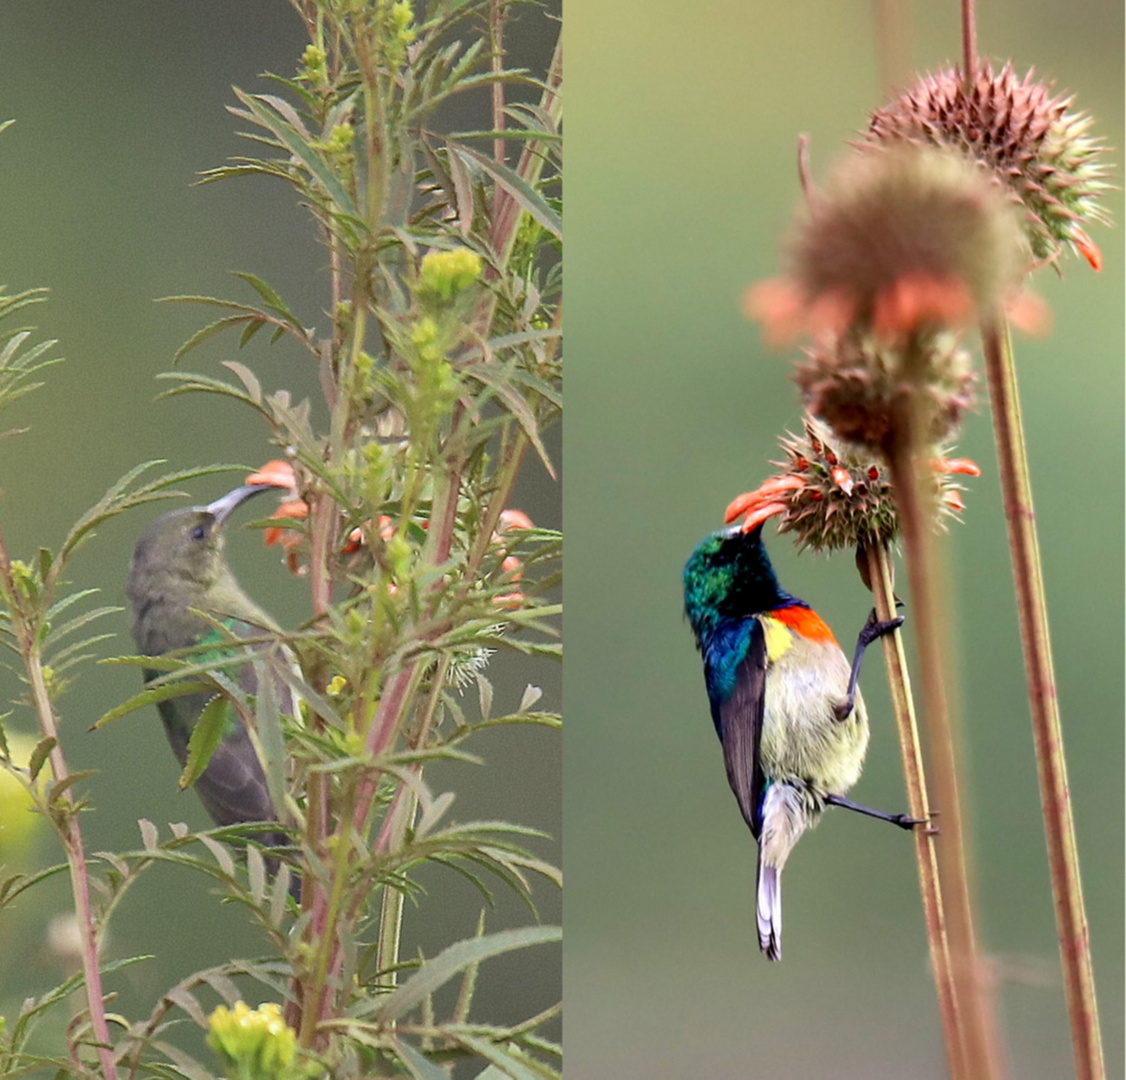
[729, 576]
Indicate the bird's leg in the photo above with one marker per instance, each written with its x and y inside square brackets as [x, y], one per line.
[869, 632]
[902, 820]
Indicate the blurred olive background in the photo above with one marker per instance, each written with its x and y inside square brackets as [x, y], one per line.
[682, 181]
[119, 105]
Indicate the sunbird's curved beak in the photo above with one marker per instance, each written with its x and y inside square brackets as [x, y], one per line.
[222, 508]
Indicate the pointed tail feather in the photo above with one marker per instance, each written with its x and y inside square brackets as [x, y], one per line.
[768, 910]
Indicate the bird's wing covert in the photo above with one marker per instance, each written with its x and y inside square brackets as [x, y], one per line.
[741, 730]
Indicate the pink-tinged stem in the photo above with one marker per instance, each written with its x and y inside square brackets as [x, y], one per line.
[969, 44]
[1063, 855]
[71, 834]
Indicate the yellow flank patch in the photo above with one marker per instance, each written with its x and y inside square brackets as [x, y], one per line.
[778, 636]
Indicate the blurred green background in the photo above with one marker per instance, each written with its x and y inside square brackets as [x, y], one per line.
[119, 105]
[681, 163]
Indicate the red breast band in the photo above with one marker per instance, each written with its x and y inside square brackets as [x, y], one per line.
[805, 622]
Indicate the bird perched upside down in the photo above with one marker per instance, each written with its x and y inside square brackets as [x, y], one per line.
[784, 701]
[178, 565]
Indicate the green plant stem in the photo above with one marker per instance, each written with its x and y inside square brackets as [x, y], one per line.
[65, 822]
[1063, 857]
[934, 914]
[974, 1004]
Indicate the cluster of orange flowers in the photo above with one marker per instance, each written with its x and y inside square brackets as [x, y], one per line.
[280, 474]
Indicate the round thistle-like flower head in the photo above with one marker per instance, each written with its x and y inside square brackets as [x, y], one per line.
[833, 494]
[1020, 135]
[864, 389]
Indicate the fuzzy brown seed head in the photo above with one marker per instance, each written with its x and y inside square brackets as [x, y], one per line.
[832, 494]
[906, 237]
[1022, 136]
[863, 388]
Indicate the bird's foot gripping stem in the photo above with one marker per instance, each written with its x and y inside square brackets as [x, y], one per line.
[871, 631]
[904, 821]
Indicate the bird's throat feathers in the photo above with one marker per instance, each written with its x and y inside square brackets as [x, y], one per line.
[729, 576]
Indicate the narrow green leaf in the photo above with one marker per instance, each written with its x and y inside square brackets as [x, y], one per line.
[420, 1066]
[213, 723]
[40, 754]
[525, 195]
[450, 962]
[149, 697]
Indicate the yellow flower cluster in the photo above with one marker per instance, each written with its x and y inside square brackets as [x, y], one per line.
[253, 1043]
[443, 274]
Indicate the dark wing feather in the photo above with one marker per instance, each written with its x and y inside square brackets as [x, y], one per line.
[741, 730]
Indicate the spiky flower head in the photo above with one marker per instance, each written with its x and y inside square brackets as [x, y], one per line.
[1021, 135]
[832, 494]
[903, 239]
[864, 388]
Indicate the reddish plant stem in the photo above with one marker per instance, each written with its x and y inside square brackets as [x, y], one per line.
[26, 628]
[969, 44]
[974, 1004]
[1059, 827]
[496, 47]
[934, 913]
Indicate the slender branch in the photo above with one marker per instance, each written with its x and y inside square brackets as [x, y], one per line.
[1063, 857]
[903, 705]
[975, 1005]
[69, 830]
[969, 44]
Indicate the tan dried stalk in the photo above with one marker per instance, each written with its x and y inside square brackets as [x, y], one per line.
[903, 705]
[1063, 858]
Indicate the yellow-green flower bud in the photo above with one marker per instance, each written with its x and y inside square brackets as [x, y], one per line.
[336, 686]
[18, 825]
[252, 1043]
[313, 58]
[444, 274]
[399, 556]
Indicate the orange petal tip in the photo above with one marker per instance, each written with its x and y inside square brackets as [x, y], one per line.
[762, 513]
[275, 473]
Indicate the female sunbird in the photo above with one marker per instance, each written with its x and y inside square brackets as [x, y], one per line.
[179, 569]
[784, 701]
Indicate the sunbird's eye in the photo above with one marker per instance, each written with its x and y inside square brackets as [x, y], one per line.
[199, 532]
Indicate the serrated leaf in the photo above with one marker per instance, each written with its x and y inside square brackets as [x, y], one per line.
[56, 789]
[213, 723]
[532, 694]
[40, 754]
[450, 962]
[148, 697]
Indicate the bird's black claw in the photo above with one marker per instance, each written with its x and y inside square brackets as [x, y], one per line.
[875, 629]
[906, 822]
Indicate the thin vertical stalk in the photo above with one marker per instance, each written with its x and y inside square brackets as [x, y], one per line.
[969, 44]
[903, 705]
[70, 832]
[1063, 858]
[974, 1004]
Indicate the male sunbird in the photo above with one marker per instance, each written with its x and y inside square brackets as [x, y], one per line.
[179, 569]
[784, 701]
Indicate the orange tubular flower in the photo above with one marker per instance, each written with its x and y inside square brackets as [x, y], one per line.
[835, 495]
